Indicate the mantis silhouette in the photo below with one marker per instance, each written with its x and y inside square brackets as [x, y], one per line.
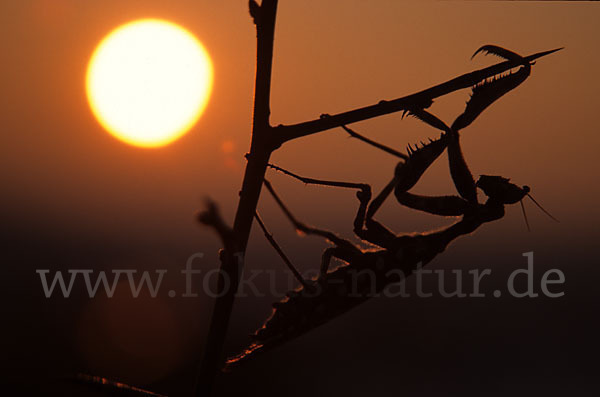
[483, 95]
[367, 273]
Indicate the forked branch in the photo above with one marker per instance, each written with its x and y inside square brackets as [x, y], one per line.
[212, 217]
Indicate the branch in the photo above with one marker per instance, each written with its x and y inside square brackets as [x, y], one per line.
[419, 100]
[232, 260]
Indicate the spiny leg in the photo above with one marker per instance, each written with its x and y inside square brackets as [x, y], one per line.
[428, 118]
[416, 163]
[421, 158]
[489, 91]
[420, 114]
[483, 95]
[378, 234]
[279, 251]
[409, 174]
[436, 205]
[461, 175]
[424, 157]
[406, 176]
[375, 232]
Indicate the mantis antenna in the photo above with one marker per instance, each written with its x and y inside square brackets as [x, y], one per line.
[542, 208]
[525, 215]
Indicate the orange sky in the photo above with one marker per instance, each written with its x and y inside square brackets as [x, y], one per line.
[65, 177]
[328, 58]
[63, 169]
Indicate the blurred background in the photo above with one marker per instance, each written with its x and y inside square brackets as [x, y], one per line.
[75, 197]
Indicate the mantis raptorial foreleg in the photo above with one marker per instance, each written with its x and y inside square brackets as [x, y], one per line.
[409, 171]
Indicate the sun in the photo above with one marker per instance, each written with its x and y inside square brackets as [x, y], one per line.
[148, 82]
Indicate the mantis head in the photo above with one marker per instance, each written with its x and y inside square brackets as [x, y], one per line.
[500, 190]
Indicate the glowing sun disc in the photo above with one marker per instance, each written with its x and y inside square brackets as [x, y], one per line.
[148, 82]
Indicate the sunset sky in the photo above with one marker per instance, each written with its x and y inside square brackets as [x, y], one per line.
[75, 197]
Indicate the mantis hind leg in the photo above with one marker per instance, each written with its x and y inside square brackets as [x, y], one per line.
[363, 194]
[301, 227]
[279, 251]
[374, 232]
[343, 250]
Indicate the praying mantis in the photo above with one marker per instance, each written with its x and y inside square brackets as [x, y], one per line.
[367, 272]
